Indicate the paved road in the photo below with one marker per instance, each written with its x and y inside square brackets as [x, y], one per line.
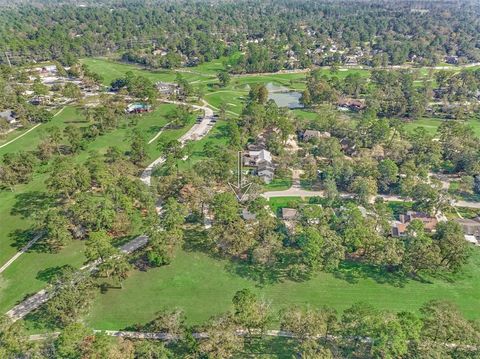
[196, 132]
[298, 192]
[134, 244]
[165, 336]
[35, 301]
[239, 332]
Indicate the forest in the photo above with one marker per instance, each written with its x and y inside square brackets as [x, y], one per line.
[276, 35]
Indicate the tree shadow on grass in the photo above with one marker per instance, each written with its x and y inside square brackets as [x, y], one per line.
[222, 132]
[20, 238]
[49, 274]
[261, 274]
[353, 272]
[276, 347]
[153, 129]
[29, 204]
[38, 319]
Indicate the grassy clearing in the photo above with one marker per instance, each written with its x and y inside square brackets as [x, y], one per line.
[18, 209]
[432, 124]
[277, 203]
[111, 70]
[194, 281]
[278, 184]
[32, 271]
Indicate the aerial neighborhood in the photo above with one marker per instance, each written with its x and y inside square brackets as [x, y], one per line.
[249, 179]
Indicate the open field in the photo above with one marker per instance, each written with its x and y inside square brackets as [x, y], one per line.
[111, 70]
[194, 281]
[18, 209]
[432, 124]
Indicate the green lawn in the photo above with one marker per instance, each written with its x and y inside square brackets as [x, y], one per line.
[432, 124]
[111, 70]
[278, 184]
[277, 203]
[18, 209]
[203, 286]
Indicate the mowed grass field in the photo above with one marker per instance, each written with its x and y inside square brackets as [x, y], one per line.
[432, 125]
[203, 287]
[19, 209]
[111, 70]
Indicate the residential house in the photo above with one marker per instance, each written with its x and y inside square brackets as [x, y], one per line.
[47, 70]
[138, 108]
[351, 104]
[309, 134]
[399, 228]
[167, 88]
[254, 157]
[452, 60]
[160, 52]
[351, 60]
[471, 229]
[9, 116]
[247, 215]
[348, 146]
[265, 171]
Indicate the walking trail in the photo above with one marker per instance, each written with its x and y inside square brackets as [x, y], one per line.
[196, 132]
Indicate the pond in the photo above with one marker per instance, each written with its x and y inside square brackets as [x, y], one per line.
[283, 97]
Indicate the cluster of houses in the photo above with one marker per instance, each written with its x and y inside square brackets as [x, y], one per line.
[260, 159]
[471, 227]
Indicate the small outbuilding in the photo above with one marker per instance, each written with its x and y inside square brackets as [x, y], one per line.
[138, 108]
[289, 214]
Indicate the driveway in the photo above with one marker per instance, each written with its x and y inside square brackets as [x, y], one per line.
[195, 133]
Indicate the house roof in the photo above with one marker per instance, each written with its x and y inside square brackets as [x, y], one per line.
[247, 215]
[470, 226]
[7, 115]
[429, 222]
[316, 134]
[265, 166]
[289, 213]
[262, 155]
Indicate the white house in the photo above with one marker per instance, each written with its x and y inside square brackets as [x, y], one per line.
[254, 157]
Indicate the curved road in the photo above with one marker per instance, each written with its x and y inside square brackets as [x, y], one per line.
[196, 132]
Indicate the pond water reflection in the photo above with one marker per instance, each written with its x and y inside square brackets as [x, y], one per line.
[283, 97]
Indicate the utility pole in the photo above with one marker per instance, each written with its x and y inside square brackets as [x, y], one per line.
[8, 59]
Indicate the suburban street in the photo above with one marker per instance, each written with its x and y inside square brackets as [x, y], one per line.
[299, 192]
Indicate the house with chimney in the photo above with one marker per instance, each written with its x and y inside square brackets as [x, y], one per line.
[400, 226]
